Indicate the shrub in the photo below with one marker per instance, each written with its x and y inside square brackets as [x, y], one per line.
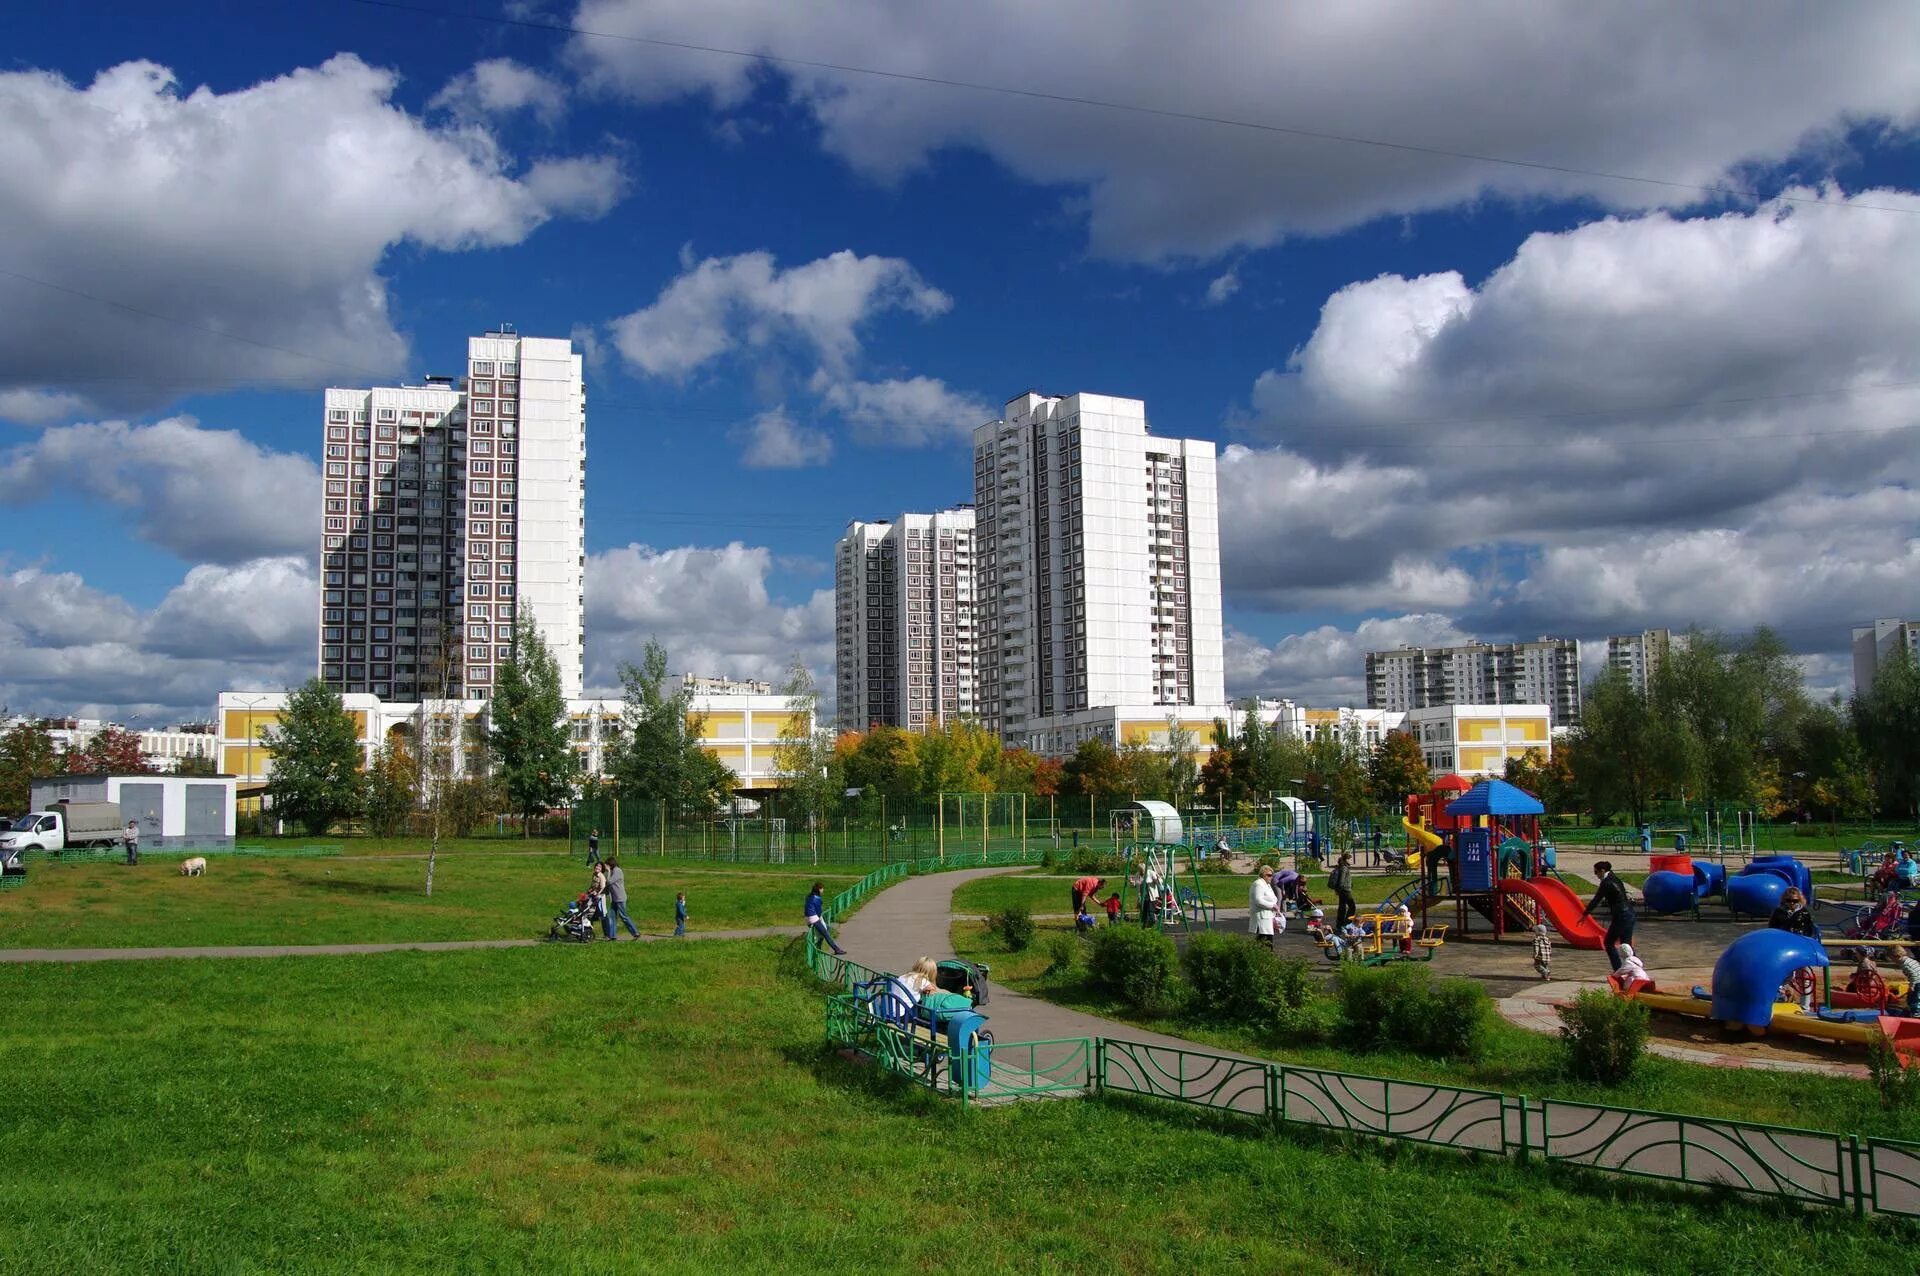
[1229, 978]
[1064, 952]
[1014, 926]
[1134, 964]
[1604, 1035]
[1899, 1086]
[1447, 1019]
[1404, 1006]
[1085, 860]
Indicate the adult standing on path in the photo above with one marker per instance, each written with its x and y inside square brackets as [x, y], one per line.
[1262, 905]
[133, 841]
[1612, 893]
[617, 899]
[1340, 882]
[816, 919]
[593, 847]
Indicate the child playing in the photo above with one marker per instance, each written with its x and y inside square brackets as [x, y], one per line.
[1113, 909]
[1910, 970]
[680, 915]
[1543, 951]
[1631, 967]
[1084, 922]
[1405, 920]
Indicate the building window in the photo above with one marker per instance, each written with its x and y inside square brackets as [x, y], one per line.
[386, 414]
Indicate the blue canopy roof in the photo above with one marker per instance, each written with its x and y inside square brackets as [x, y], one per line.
[1495, 797]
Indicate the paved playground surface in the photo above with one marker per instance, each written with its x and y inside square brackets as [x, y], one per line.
[914, 919]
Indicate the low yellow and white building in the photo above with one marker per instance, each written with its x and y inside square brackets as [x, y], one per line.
[1476, 740]
[741, 723]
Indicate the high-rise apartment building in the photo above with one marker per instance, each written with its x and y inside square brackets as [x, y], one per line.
[1546, 671]
[1874, 645]
[1098, 570]
[448, 508]
[1639, 655]
[903, 620]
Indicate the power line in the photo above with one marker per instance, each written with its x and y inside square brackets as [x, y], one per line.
[1106, 104]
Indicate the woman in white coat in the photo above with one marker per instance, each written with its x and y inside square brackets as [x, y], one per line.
[1263, 907]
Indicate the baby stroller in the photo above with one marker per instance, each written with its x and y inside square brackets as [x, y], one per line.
[1883, 922]
[576, 922]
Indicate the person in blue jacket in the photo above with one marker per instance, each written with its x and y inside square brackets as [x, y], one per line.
[816, 919]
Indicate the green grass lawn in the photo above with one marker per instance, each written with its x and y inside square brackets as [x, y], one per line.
[671, 1108]
[1519, 1062]
[364, 899]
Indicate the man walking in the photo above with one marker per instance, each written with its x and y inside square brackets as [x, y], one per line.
[1340, 882]
[617, 900]
[593, 847]
[133, 841]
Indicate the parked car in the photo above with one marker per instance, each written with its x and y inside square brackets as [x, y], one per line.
[67, 826]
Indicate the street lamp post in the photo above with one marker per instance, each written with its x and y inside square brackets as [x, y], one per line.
[250, 705]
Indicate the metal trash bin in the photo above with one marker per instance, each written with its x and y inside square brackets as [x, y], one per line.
[972, 1047]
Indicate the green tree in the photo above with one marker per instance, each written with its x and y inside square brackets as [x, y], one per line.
[1095, 771]
[528, 735]
[26, 752]
[1145, 769]
[1625, 751]
[1887, 721]
[316, 759]
[1182, 760]
[1397, 768]
[883, 761]
[391, 792]
[659, 757]
[195, 764]
[804, 758]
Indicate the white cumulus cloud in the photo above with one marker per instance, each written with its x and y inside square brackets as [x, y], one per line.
[1645, 421]
[710, 607]
[194, 240]
[773, 440]
[501, 86]
[908, 411]
[724, 303]
[206, 495]
[1636, 87]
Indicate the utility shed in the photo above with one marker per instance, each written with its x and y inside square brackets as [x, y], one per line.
[188, 812]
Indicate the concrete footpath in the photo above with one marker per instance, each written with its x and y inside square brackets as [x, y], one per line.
[912, 918]
[17, 955]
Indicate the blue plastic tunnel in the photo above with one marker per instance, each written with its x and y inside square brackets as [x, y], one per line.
[1747, 978]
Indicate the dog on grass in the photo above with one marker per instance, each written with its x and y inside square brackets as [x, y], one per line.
[193, 867]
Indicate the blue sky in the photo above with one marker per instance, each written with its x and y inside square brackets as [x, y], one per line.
[1460, 397]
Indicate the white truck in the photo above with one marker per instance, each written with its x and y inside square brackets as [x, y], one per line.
[64, 826]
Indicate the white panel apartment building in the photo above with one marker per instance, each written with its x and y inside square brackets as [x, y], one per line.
[903, 621]
[1638, 655]
[1098, 575]
[1546, 671]
[1874, 645]
[446, 508]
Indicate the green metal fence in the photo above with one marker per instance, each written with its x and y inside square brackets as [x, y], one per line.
[870, 829]
[1812, 1167]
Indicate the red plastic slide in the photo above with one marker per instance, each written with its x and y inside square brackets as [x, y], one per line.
[1559, 906]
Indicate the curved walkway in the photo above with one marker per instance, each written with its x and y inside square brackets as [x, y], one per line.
[16, 955]
[913, 919]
